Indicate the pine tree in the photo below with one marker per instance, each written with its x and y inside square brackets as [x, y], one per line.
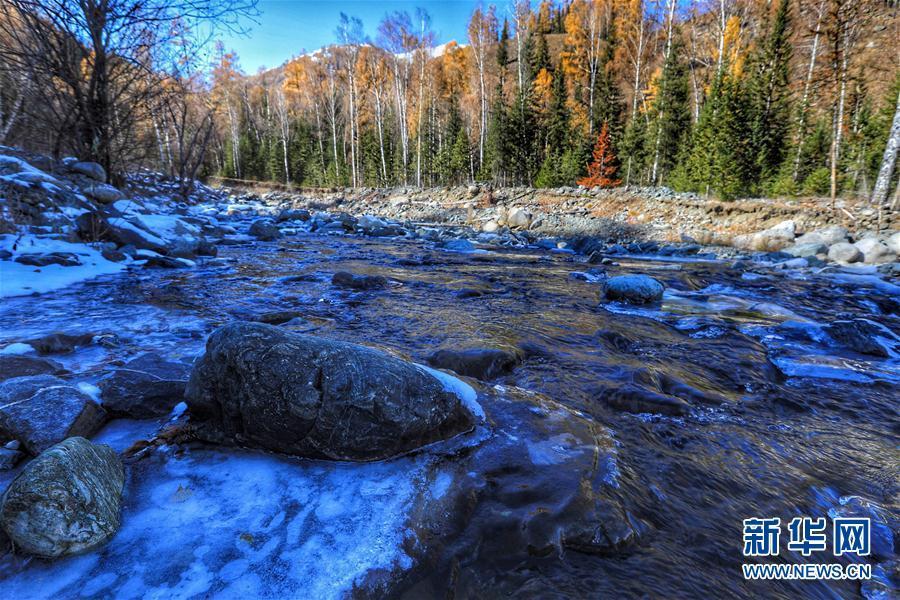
[633, 150]
[670, 113]
[713, 161]
[768, 88]
[540, 54]
[603, 168]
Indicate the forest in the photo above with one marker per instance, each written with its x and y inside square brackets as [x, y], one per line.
[728, 98]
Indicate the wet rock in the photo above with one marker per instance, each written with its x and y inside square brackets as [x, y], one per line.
[844, 252]
[60, 343]
[113, 255]
[103, 193]
[261, 386]
[12, 365]
[293, 214]
[480, 363]
[89, 169]
[864, 336]
[145, 387]
[64, 259]
[359, 282]
[9, 458]
[42, 417]
[278, 317]
[165, 262]
[265, 230]
[490, 227]
[874, 250]
[206, 248]
[634, 398]
[806, 249]
[459, 245]
[65, 501]
[634, 289]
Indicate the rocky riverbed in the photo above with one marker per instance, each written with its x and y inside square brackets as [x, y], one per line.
[593, 416]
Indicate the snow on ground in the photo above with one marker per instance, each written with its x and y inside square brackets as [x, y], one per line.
[17, 279]
[240, 524]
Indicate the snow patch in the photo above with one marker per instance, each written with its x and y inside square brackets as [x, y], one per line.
[17, 279]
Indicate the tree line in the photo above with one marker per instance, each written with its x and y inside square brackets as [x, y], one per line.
[729, 98]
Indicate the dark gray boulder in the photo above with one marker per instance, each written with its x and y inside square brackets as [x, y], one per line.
[89, 169]
[293, 214]
[41, 411]
[480, 363]
[634, 289]
[258, 385]
[12, 365]
[60, 343]
[64, 259]
[65, 501]
[146, 387]
[265, 230]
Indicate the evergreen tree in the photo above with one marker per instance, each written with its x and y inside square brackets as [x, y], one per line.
[633, 150]
[522, 136]
[768, 88]
[713, 160]
[670, 114]
[540, 54]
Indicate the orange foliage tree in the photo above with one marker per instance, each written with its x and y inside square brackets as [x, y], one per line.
[602, 170]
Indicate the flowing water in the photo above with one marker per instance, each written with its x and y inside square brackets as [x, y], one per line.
[781, 421]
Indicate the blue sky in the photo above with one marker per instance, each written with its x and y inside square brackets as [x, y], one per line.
[288, 27]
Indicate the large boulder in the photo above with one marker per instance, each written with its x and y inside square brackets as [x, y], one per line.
[65, 501]
[13, 365]
[833, 234]
[634, 289]
[893, 243]
[772, 239]
[42, 410]
[806, 249]
[146, 387]
[844, 252]
[480, 363]
[91, 170]
[103, 193]
[265, 230]
[874, 250]
[258, 385]
[92, 226]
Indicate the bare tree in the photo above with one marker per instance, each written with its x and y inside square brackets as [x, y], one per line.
[92, 60]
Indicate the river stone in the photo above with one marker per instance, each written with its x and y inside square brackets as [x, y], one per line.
[490, 227]
[359, 282]
[12, 365]
[874, 250]
[518, 218]
[293, 214]
[65, 501]
[92, 226]
[92, 170]
[864, 336]
[47, 415]
[60, 343]
[258, 385]
[459, 245]
[64, 259]
[634, 289]
[146, 387]
[806, 249]
[103, 193]
[265, 230]
[893, 243]
[844, 252]
[833, 234]
[480, 363]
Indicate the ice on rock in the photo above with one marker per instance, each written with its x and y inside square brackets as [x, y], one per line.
[239, 524]
[467, 395]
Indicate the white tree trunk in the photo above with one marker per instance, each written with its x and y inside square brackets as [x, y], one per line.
[887, 162]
